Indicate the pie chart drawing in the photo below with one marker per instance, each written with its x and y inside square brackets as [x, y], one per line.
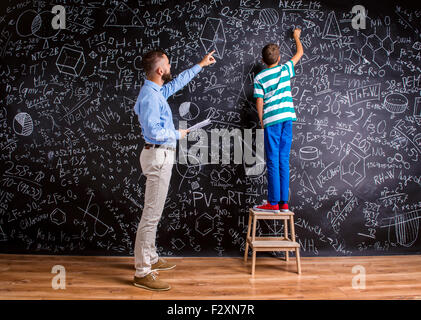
[189, 110]
[23, 124]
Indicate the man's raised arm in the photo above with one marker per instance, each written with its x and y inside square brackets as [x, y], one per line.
[184, 77]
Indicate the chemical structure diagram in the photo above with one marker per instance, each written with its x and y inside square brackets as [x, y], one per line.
[376, 49]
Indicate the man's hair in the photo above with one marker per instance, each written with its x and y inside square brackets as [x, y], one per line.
[270, 53]
[150, 59]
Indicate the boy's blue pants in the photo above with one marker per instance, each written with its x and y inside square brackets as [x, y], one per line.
[278, 139]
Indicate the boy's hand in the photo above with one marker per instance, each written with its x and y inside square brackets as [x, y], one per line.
[297, 33]
[207, 59]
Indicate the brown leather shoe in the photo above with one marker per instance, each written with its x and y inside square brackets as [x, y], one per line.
[151, 282]
[162, 265]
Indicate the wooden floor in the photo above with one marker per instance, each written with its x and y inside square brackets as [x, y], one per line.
[391, 277]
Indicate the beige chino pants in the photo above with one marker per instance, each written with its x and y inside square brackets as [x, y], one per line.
[157, 166]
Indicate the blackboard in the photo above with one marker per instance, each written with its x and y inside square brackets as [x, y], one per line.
[70, 179]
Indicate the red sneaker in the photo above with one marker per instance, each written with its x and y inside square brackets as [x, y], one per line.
[267, 207]
[284, 207]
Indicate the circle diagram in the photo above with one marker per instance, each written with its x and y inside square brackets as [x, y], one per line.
[31, 23]
[188, 110]
[269, 16]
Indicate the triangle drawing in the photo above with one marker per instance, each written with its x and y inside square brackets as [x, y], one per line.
[123, 16]
[331, 30]
[306, 183]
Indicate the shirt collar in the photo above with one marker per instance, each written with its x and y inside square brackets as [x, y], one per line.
[153, 85]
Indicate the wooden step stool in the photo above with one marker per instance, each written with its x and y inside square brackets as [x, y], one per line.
[272, 243]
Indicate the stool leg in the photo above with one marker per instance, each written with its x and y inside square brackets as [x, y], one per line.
[292, 228]
[253, 238]
[247, 237]
[286, 238]
[253, 265]
[297, 256]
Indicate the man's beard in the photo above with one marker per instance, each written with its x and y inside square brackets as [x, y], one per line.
[167, 77]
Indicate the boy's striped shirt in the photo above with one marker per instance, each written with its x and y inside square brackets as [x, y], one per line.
[273, 85]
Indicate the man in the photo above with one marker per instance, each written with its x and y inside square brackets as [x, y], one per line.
[156, 158]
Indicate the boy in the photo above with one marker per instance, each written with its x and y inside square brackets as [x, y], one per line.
[276, 112]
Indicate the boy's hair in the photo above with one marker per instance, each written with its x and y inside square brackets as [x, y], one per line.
[270, 53]
[150, 59]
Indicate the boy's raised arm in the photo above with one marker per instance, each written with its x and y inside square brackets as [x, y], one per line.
[300, 52]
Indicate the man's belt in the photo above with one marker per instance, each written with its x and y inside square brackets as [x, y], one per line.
[156, 146]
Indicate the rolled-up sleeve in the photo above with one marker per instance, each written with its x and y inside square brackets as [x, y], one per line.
[290, 67]
[258, 89]
[182, 79]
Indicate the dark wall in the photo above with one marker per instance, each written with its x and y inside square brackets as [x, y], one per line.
[70, 179]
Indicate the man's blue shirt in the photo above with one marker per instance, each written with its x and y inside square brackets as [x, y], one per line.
[154, 112]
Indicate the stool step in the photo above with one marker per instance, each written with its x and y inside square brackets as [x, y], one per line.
[274, 244]
[279, 213]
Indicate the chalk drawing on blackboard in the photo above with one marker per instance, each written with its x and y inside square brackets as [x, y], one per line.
[285, 51]
[417, 45]
[223, 175]
[269, 16]
[395, 103]
[331, 30]
[32, 23]
[376, 49]
[406, 227]
[177, 244]
[189, 170]
[373, 41]
[354, 57]
[188, 110]
[46, 44]
[417, 107]
[213, 37]
[3, 236]
[387, 43]
[352, 167]
[95, 216]
[309, 153]
[306, 183]
[26, 24]
[398, 158]
[23, 124]
[204, 224]
[58, 216]
[42, 25]
[128, 104]
[93, 54]
[71, 60]
[380, 57]
[195, 185]
[123, 16]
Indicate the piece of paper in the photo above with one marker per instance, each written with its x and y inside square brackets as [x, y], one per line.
[200, 125]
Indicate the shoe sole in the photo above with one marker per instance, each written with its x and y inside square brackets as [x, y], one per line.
[164, 269]
[265, 210]
[151, 289]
